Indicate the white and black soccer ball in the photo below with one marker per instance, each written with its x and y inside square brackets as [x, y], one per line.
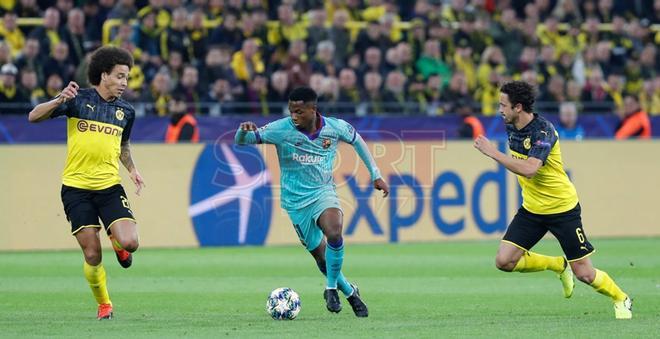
[283, 304]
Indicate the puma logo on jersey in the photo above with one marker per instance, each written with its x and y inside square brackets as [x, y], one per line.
[90, 107]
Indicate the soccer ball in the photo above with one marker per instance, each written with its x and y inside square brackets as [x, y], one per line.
[283, 304]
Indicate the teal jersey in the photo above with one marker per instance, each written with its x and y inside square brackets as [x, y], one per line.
[306, 161]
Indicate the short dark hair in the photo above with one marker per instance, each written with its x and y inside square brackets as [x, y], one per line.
[520, 92]
[304, 94]
[104, 60]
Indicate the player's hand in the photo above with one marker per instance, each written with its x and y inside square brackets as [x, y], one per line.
[137, 180]
[248, 126]
[381, 185]
[484, 146]
[68, 93]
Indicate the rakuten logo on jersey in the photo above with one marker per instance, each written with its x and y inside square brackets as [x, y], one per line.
[307, 159]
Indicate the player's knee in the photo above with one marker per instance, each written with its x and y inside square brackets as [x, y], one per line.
[505, 264]
[333, 233]
[585, 275]
[92, 256]
[130, 245]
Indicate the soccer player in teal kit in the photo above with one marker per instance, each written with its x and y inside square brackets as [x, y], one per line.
[306, 145]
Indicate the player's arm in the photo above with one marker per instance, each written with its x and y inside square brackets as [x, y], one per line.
[247, 133]
[44, 110]
[524, 167]
[127, 160]
[349, 135]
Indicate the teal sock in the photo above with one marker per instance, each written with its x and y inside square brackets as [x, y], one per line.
[334, 258]
[343, 285]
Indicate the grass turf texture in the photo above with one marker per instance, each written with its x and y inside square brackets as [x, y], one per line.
[413, 290]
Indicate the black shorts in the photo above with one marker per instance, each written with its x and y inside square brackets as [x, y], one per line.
[84, 208]
[527, 228]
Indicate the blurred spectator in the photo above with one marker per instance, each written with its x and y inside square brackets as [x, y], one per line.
[159, 94]
[14, 100]
[50, 33]
[183, 125]
[198, 35]
[394, 98]
[340, 35]
[489, 94]
[189, 89]
[373, 57]
[328, 99]
[123, 10]
[64, 7]
[431, 62]
[286, 30]
[650, 96]
[492, 60]
[348, 90]
[247, 62]
[220, 98]
[147, 38]
[175, 38]
[507, 35]
[54, 85]
[470, 127]
[29, 87]
[325, 61]
[568, 127]
[27, 9]
[256, 94]
[11, 34]
[406, 59]
[162, 15]
[279, 87]
[316, 31]
[217, 65]
[553, 94]
[635, 122]
[595, 93]
[59, 63]
[228, 33]
[456, 94]
[296, 65]
[75, 36]
[5, 53]
[372, 92]
[369, 37]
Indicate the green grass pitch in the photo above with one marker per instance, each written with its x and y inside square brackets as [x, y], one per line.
[427, 290]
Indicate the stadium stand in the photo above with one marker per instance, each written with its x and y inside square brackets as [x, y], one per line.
[372, 57]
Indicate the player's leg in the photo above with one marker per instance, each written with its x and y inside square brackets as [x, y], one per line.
[568, 230]
[603, 284]
[331, 223]
[116, 214]
[514, 255]
[89, 241]
[351, 291]
[83, 217]
[319, 256]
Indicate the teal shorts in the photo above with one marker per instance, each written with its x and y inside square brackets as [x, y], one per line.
[304, 220]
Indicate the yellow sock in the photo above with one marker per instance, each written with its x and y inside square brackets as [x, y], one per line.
[534, 262]
[603, 284]
[96, 278]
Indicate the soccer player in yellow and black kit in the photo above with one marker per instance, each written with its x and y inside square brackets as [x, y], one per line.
[550, 202]
[98, 128]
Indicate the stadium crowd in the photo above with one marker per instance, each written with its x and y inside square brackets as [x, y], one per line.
[364, 57]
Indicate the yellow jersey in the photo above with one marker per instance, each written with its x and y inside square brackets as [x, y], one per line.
[550, 191]
[95, 131]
